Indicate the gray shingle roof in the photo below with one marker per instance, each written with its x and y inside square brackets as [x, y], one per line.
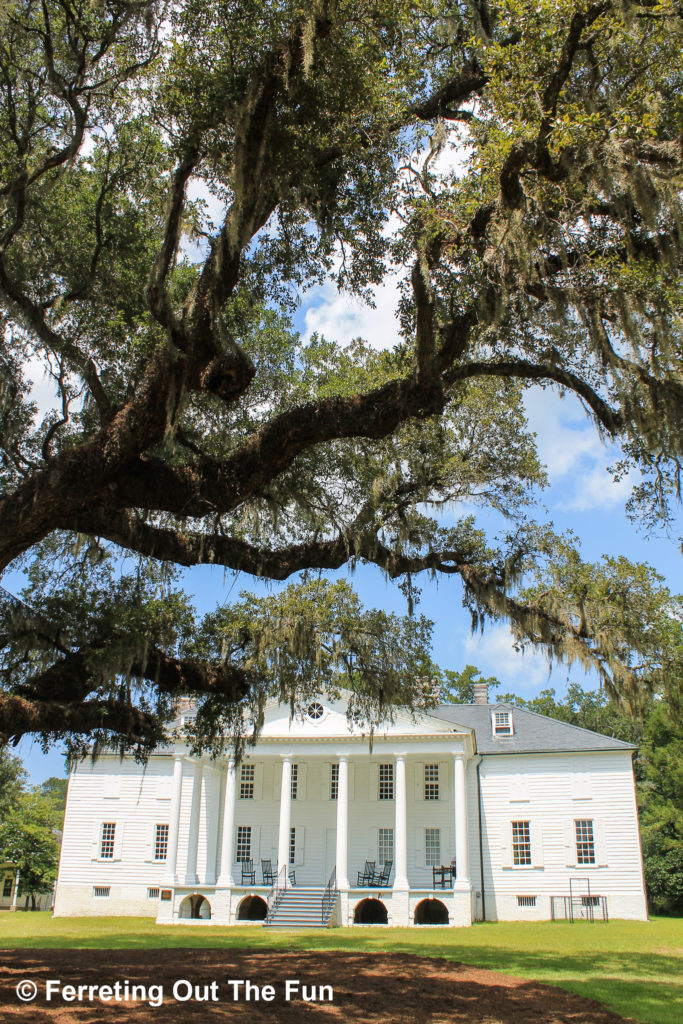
[533, 733]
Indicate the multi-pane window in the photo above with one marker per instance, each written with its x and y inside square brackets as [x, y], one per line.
[161, 842]
[334, 782]
[107, 840]
[585, 841]
[386, 782]
[292, 846]
[432, 847]
[521, 843]
[431, 782]
[295, 780]
[7, 888]
[502, 723]
[244, 842]
[385, 844]
[247, 782]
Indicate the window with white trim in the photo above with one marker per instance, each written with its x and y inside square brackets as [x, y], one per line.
[107, 837]
[101, 891]
[385, 845]
[244, 842]
[431, 782]
[432, 847]
[153, 893]
[386, 782]
[7, 888]
[585, 841]
[334, 781]
[160, 842]
[292, 846]
[295, 780]
[521, 843]
[247, 776]
[502, 723]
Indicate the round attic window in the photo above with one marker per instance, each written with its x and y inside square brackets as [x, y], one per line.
[315, 711]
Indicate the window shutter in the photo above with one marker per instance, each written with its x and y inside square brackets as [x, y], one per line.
[536, 834]
[277, 782]
[570, 844]
[326, 781]
[256, 844]
[448, 851]
[352, 777]
[444, 788]
[301, 781]
[164, 787]
[373, 792]
[149, 845]
[118, 840]
[506, 845]
[420, 855]
[111, 787]
[96, 835]
[299, 844]
[258, 781]
[600, 844]
[420, 780]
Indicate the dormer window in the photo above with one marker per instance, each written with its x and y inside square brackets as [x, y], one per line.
[502, 723]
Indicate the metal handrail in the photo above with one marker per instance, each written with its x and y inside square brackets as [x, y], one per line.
[275, 893]
[330, 894]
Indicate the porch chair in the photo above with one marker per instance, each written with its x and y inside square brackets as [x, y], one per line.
[381, 878]
[366, 875]
[292, 878]
[248, 873]
[267, 872]
[441, 877]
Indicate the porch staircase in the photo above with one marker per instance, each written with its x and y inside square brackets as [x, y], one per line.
[301, 906]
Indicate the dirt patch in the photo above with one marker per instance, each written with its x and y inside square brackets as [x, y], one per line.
[368, 988]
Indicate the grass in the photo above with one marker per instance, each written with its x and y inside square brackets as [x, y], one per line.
[633, 967]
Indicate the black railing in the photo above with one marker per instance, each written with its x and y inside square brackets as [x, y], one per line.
[275, 893]
[330, 895]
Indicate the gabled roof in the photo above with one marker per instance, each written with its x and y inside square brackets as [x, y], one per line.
[533, 733]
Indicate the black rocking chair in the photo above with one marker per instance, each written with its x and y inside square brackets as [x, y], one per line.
[441, 877]
[292, 878]
[381, 878]
[248, 873]
[366, 875]
[267, 872]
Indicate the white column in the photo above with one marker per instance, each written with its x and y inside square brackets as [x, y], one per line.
[342, 824]
[225, 878]
[401, 828]
[193, 837]
[285, 812]
[462, 865]
[174, 823]
[212, 791]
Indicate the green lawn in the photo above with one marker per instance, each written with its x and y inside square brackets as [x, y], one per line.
[633, 967]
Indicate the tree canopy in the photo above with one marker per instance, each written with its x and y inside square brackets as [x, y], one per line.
[172, 178]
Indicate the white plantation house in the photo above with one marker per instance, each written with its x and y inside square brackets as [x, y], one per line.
[471, 812]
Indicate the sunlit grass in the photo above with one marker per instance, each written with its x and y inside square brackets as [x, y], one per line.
[633, 967]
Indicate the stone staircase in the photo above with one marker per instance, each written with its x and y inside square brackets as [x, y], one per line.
[301, 907]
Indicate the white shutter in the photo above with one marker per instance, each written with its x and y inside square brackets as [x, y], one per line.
[506, 845]
[299, 844]
[301, 782]
[277, 782]
[419, 848]
[256, 844]
[96, 837]
[373, 791]
[111, 787]
[448, 852]
[164, 787]
[352, 778]
[444, 788]
[420, 780]
[570, 844]
[600, 844]
[536, 834]
[118, 840]
[326, 781]
[149, 845]
[258, 781]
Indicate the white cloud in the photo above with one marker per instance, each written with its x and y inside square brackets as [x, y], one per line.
[43, 386]
[597, 489]
[493, 652]
[341, 317]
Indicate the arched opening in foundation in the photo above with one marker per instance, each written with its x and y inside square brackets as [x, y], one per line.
[252, 908]
[431, 912]
[196, 907]
[370, 912]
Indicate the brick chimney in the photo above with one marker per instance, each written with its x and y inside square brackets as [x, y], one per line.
[481, 693]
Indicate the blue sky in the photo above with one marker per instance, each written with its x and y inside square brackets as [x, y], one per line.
[581, 496]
